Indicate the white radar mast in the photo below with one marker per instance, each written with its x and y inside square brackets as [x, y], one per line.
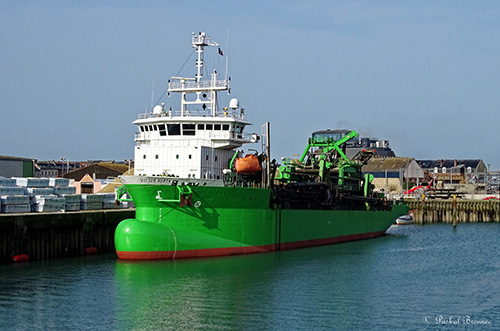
[201, 40]
[205, 91]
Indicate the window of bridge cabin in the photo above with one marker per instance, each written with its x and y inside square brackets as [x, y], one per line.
[188, 129]
[174, 129]
[161, 127]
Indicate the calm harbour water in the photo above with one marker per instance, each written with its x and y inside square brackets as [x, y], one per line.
[416, 277]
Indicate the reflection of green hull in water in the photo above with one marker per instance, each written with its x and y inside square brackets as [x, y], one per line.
[234, 220]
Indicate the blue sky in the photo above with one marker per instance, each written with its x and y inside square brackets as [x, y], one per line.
[424, 75]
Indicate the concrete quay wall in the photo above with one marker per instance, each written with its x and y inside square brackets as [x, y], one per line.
[43, 236]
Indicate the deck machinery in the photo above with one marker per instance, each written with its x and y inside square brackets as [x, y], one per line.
[324, 177]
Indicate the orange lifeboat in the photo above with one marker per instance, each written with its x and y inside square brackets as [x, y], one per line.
[248, 165]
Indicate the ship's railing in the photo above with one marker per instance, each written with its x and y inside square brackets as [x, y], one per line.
[192, 113]
[226, 135]
[203, 85]
[214, 135]
[145, 138]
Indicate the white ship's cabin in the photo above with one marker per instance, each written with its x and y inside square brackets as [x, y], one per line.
[198, 140]
[188, 146]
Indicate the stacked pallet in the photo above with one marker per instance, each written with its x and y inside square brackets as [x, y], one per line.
[91, 201]
[110, 201]
[72, 201]
[22, 195]
[15, 203]
[44, 193]
[50, 203]
[13, 198]
[31, 182]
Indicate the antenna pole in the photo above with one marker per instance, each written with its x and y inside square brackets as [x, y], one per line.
[153, 90]
[227, 53]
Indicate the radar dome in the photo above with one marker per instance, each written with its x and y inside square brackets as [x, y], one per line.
[157, 109]
[234, 103]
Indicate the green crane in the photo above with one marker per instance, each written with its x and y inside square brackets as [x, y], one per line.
[329, 160]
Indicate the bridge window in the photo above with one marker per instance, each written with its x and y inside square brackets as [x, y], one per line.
[201, 126]
[209, 127]
[225, 127]
[188, 129]
[163, 132]
[174, 129]
[217, 126]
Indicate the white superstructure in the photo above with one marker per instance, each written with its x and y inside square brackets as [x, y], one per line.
[199, 139]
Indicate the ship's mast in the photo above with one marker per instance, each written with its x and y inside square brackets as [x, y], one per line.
[199, 41]
[205, 90]
[200, 133]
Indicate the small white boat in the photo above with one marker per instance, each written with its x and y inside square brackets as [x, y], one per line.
[404, 220]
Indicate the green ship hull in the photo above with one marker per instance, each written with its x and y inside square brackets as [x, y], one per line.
[207, 221]
[197, 194]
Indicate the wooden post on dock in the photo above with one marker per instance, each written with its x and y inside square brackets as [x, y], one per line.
[423, 208]
[454, 212]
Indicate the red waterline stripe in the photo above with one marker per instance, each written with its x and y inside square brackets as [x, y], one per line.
[328, 241]
[184, 254]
